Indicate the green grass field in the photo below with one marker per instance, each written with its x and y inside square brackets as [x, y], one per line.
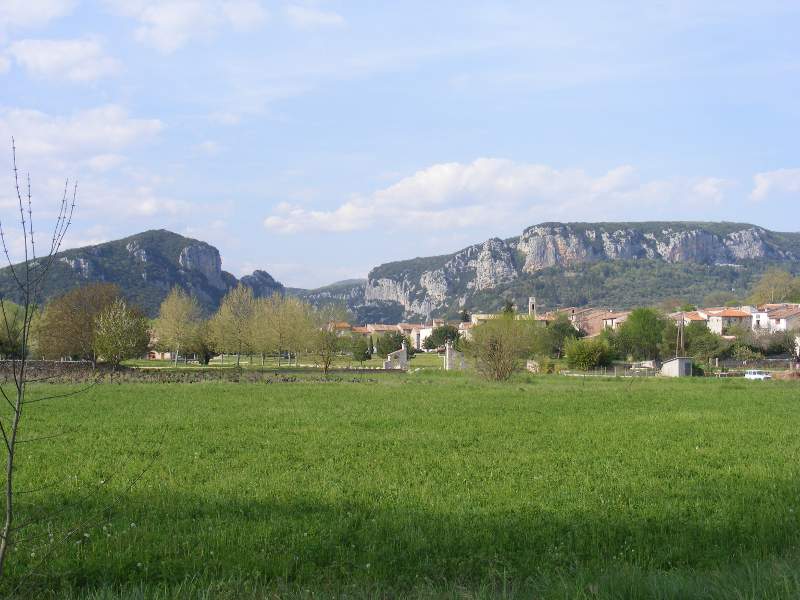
[423, 485]
[422, 360]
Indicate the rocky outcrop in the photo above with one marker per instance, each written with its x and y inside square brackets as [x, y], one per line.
[204, 259]
[430, 284]
[262, 283]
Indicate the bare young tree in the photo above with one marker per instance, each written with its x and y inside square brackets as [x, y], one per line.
[28, 277]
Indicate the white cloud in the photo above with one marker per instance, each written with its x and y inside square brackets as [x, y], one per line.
[84, 134]
[490, 192]
[780, 181]
[32, 13]
[304, 17]
[4, 64]
[169, 24]
[74, 60]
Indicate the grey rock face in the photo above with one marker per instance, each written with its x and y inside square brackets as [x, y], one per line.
[497, 262]
[203, 259]
[135, 250]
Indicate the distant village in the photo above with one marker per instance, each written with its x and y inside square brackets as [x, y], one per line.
[721, 320]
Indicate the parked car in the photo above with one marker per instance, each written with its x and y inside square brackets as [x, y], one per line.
[755, 374]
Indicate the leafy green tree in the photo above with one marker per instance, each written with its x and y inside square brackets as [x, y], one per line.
[720, 298]
[641, 335]
[361, 349]
[440, 336]
[230, 326]
[121, 333]
[553, 339]
[178, 321]
[68, 324]
[703, 344]
[464, 316]
[202, 345]
[392, 342]
[586, 354]
[508, 307]
[11, 329]
[776, 286]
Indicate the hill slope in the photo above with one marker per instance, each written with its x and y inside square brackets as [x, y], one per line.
[146, 266]
[619, 264]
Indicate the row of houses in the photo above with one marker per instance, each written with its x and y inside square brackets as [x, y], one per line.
[764, 318]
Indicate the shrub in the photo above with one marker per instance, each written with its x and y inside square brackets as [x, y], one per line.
[499, 344]
[586, 354]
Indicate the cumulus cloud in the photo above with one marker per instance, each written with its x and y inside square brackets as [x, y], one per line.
[90, 145]
[304, 17]
[83, 134]
[32, 13]
[169, 24]
[491, 191]
[780, 181]
[74, 60]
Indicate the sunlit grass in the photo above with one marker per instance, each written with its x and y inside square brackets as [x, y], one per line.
[421, 485]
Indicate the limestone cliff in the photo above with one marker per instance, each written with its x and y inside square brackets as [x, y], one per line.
[433, 285]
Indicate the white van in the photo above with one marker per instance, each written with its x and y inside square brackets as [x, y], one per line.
[754, 374]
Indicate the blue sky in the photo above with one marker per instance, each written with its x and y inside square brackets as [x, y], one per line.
[318, 139]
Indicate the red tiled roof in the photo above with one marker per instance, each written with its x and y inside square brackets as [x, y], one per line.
[784, 313]
[733, 313]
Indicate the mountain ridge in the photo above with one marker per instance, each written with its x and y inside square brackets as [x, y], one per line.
[610, 263]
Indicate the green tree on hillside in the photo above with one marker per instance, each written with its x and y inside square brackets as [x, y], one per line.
[776, 286]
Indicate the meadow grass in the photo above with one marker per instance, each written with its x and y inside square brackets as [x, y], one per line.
[423, 485]
[422, 360]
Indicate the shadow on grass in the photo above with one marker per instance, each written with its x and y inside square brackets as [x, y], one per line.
[190, 546]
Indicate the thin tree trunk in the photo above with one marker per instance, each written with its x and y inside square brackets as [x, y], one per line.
[9, 487]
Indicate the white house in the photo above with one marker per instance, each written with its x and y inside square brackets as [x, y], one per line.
[784, 319]
[720, 321]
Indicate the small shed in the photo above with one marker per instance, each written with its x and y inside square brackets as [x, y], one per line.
[680, 366]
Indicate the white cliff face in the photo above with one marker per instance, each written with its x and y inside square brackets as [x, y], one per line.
[494, 265]
[479, 267]
[390, 290]
[747, 244]
[203, 259]
[497, 262]
[81, 266]
[693, 245]
[135, 250]
[547, 246]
